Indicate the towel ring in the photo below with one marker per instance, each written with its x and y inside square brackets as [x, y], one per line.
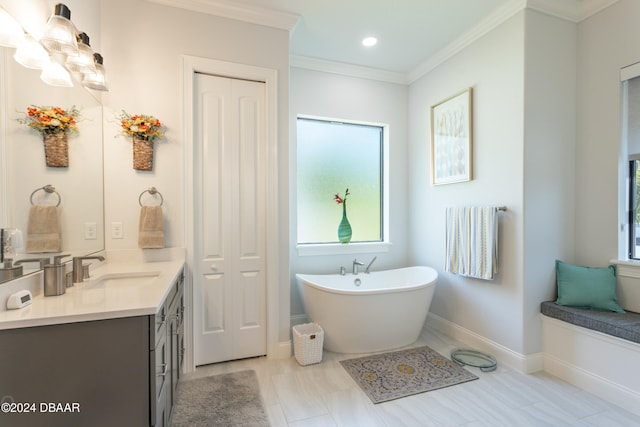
[152, 191]
[47, 189]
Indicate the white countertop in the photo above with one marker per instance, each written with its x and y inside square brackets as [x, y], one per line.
[97, 299]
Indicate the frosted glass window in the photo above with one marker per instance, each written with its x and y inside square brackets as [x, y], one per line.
[333, 157]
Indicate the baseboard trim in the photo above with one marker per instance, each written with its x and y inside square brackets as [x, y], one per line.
[522, 363]
[594, 384]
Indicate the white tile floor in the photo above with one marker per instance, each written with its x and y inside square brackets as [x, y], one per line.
[324, 395]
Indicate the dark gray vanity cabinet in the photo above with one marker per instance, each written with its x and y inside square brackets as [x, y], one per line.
[120, 371]
[168, 353]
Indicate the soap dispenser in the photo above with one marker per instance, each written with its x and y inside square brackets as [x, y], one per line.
[54, 283]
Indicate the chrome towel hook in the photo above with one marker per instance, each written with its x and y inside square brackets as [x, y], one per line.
[153, 191]
[47, 189]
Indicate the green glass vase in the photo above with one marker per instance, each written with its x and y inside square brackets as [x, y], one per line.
[344, 229]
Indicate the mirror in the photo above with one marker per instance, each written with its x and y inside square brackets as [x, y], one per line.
[24, 173]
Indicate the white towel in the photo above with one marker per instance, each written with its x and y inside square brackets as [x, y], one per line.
[472, 241]
[151, 228]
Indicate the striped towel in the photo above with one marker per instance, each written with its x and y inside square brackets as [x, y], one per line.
[472, 241]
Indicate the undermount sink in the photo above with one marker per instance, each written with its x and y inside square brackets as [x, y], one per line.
[128, 279]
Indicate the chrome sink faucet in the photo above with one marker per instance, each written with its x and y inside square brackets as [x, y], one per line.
[78, 274]
[356, 263]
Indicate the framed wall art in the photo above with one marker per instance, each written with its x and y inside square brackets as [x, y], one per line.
[452, 139]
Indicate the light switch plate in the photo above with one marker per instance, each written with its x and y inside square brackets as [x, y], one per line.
[90, 231]
[116, 230]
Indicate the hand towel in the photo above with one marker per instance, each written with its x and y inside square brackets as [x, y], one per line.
[43, 230]
[151, 228]
[472, 241]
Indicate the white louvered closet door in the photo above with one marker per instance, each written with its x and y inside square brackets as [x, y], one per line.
[230, 219]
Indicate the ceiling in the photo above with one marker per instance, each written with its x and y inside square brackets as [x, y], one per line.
[408, 31]
[411, 33]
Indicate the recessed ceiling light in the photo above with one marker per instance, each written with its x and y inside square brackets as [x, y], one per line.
[369, 41]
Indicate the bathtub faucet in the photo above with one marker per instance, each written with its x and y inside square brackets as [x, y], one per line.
[356, 263]
[366, 270]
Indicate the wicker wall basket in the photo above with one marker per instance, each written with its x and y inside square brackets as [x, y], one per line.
[142, 154]
[56, 149]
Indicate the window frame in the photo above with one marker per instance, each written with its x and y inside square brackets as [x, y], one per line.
[383, 245]
[634, 167]
[626, 172]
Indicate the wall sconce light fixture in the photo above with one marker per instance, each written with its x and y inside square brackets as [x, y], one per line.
[60, 33]
[55, 74]
[61, 50]
[11, 33]
[31, 54]
[83, 62]
[97, 80]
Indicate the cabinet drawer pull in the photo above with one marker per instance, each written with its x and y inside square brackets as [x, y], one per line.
[165, 369]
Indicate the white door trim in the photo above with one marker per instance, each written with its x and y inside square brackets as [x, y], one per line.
[191, 65]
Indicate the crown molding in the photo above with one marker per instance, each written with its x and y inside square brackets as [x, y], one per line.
[483, 27]
[570, 10]
[347, 69]
[233, 10]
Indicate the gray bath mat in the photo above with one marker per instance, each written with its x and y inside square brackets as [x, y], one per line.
[220, 400]
[397, 374]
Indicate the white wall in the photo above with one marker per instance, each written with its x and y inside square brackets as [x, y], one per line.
[143, 44]
[494, 67]
[608, 41]
[523, 76]
[549, 162]
[336, 96]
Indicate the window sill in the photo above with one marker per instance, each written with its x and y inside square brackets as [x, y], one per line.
[627, 268]
[339, 249]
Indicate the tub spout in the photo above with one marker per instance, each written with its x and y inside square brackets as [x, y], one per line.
[356, 263]
[366, 270]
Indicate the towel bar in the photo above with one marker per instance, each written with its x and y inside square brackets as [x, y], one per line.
[47, 189]
[152, 191]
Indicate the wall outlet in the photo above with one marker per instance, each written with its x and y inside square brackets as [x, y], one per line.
[90, 231]
[116, 230]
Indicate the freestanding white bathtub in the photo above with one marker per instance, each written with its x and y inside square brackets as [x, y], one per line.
[365, 313]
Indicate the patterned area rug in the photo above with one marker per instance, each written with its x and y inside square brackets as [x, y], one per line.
[397, 374]
[220, 400]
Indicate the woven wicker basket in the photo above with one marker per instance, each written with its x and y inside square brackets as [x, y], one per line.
[56, 149]
[142, 154]
[307, 343]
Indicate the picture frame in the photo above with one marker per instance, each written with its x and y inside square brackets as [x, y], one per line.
[452, 139]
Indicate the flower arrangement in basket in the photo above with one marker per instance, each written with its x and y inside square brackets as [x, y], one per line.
[55, 124]
[144, 130]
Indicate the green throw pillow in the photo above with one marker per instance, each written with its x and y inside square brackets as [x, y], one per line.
[592, 287]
